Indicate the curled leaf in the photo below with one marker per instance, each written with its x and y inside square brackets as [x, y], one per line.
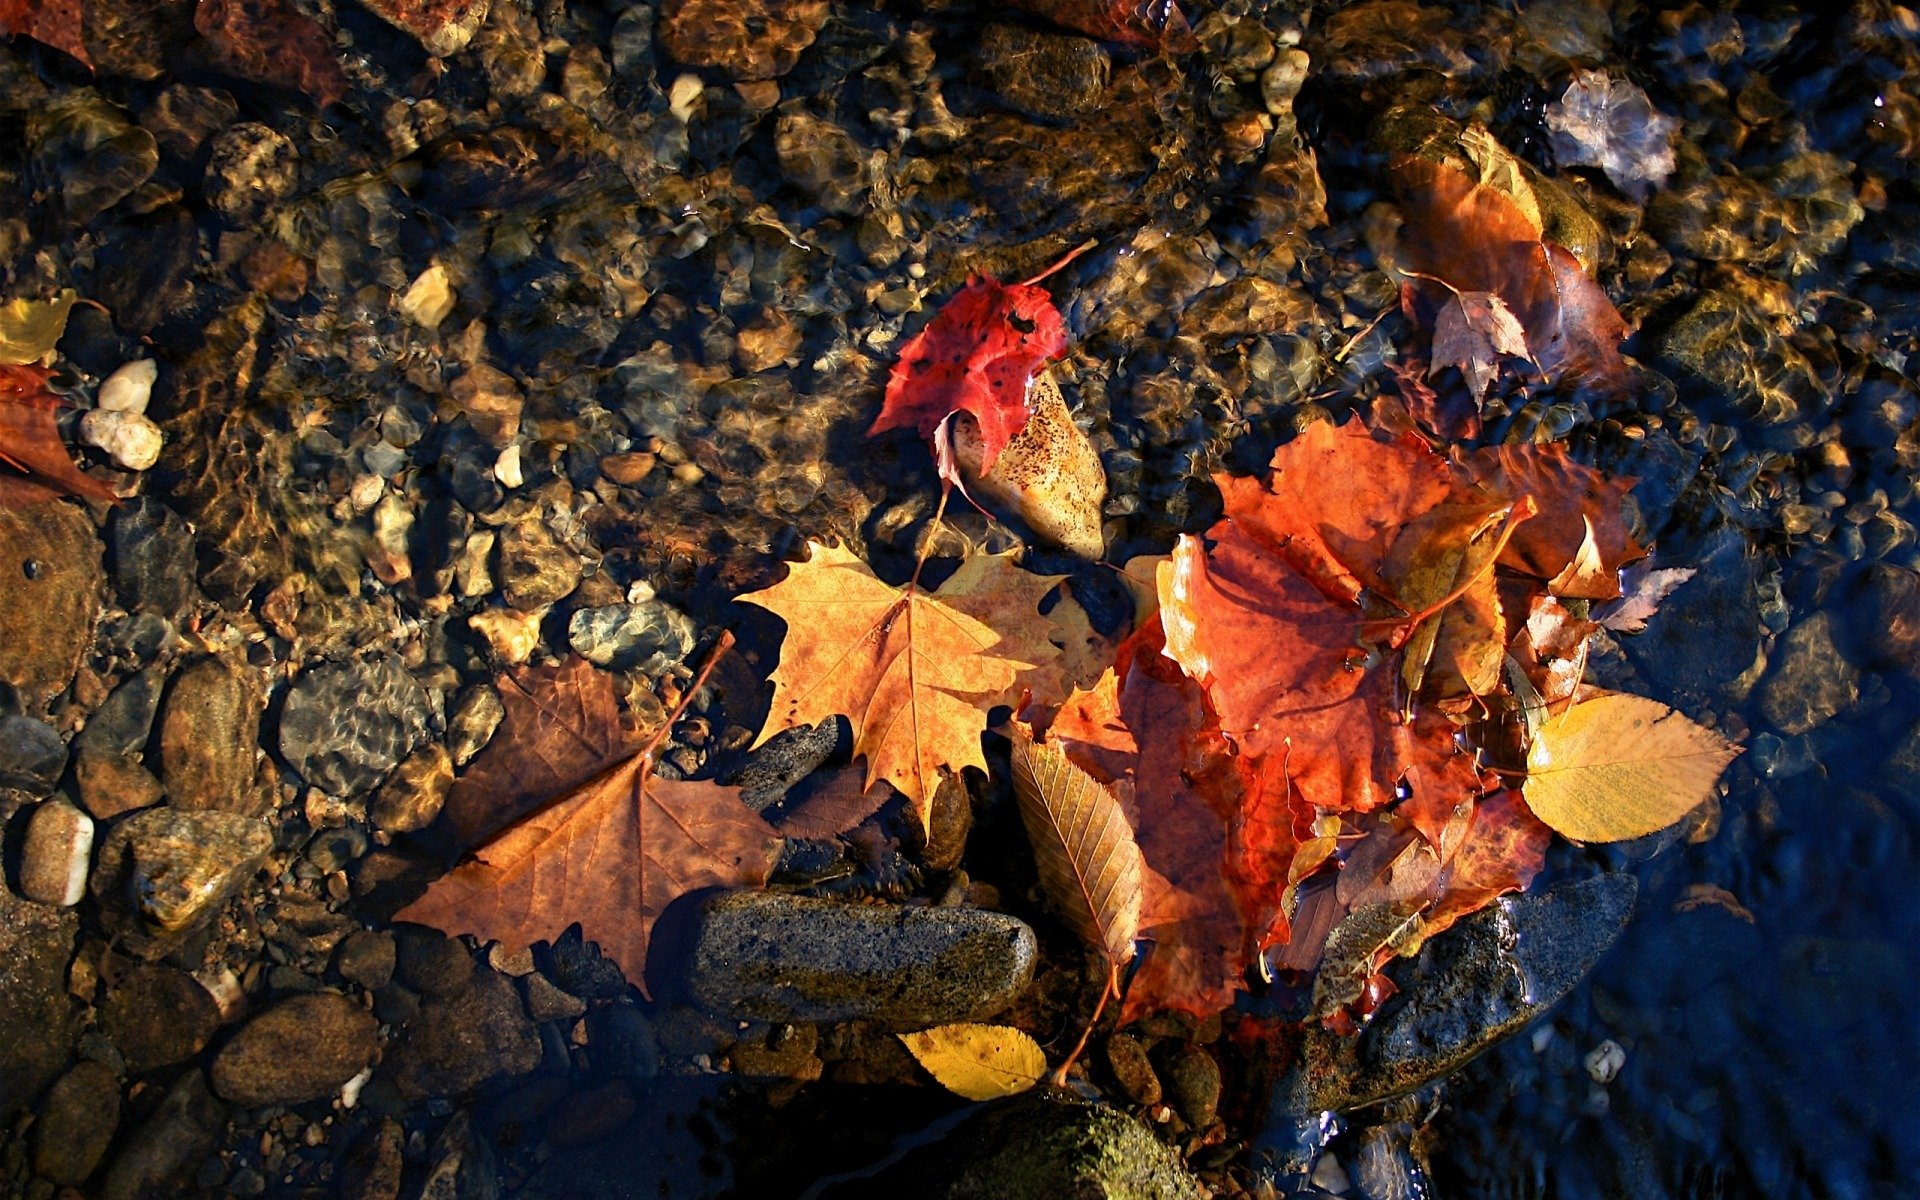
[1089, 862]
[979, 1062]
[1619, 767]
[1049, 473]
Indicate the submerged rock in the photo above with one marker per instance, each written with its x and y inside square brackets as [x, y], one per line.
[156, 1016]
[1473, 986]
[458, 1042]
[1048, 75]
[443, 26]
[77, 1123]
[1040, 1146]
[32, 756]
[645, 637]
[346, 725]
[36, 943]
[157, 1158]
[50, 591]
[299, 1050]
[1811, 680]
[745, 39]
[769, 957]
[209, 733]
[53, 864]
[161, 872]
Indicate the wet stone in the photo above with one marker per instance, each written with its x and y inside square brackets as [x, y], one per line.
[168, 870]
[1811, 680]
[124, 723]
[743, 39]
[346, 725]
[372, 1166]
[93, 153]
[1040, 1146]
[334, 849]
[581, 970]
[50, 588]
[160, 1155]
[299, 1050]
[646, 637]
[182, 117]
[545, 1002]
[110, 784]
[53, 863]
[1192, 1081]
[476, 715]
[150, 557]
[1131, 1068]
[367, 958]
[433, 964]
[36, 944]
[533, 568]
[1047, 75]
[781, 958]
[443, 26]
[156, 1016]
[32, 756]
[455, 1044]
[209, 730]
[252, 168]
[77, 1122]
[1708, 632]
[1883, 617]
[822, 160]
[412, 796]
[787, 757]
[622, 1042]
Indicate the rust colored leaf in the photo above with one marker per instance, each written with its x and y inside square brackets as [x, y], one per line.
[1336, 498]
[832, 805]
[1459, 652]
[611, 854]
[978, 355]
[30, 441]
[1472, 331]
[912, 672]
[1150, 25]
[1576, 503]
[1503, 849]
[55, 23]
[271, 42]
[1479, 240]
[1090, 864]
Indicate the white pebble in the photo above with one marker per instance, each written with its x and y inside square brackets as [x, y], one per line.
[350, 1090]
[366, 492]
[1330, 1176]
[1604, 1061]
[506, 468]
[683, 95]
[129, 388]
[129, 439]
[59, 845]
[429, 299]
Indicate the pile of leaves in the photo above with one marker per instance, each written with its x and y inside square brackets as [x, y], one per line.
[1348, 715]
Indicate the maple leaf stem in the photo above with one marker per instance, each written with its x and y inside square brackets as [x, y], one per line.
[933, 531]
[1072, 254]
[707, 663]
[1370, 327]
[1431, 279]
[1060, 1074]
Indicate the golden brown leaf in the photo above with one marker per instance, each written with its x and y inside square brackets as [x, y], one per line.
[611, 855]
[30, 328]
[979, 1062]
[1620, 766]
[912, 672]
[1089, 861]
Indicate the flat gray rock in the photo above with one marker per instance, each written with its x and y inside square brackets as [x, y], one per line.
[763, 956]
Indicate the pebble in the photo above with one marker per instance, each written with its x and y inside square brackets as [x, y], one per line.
[621, 1044]
[534, 570]
[209, 729]
[50, 590]
[124, 723]
[129, 388]
[443, 28]
[110, 784]
[492, 401]
[742, 39]
[32, 756]
[1192, 1082]
[434, 964]
[332, 850]
[476, 715]
[512, 635]
[1883, 609]
[160, 1155]
[546, 1002]
[1604, 1061]
[581, 1118]
[366, 957]
[36, 945]
[156, 1016]
[129, 439]
[150, 557]
[1811, 680]
[782, 958]
[345, 726]
[429, 299]
[77, 1122]
[1132, 1070]
[413, 795]
[251, 168]
[646, 637]
[581, 970]
[59, 842]
[1053, 76]
[372, 1166]
[455, 1044]
[506, 468]
[299, 1050]
[177, 867]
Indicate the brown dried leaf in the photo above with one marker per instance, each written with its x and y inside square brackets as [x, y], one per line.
[272, 42]
[833, 805]
[30, 441]
[1089, 862]
[55, 23]
[1471, 332]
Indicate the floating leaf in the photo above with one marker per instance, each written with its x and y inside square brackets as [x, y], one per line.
[29, 329]
[911, 672]
[1471, 332]
[1089, 861]
[1619, 767]
[979, 1062]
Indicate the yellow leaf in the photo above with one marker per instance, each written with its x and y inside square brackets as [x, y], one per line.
[913, 673]
[29, 328]
[980, 1062]
[1619, 767]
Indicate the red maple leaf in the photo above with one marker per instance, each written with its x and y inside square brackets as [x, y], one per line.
[977, 355]
[30, 441]
[55, 23]
[1153, 25]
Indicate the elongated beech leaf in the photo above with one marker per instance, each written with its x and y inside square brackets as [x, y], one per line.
[1619, 767]
[1089, 861]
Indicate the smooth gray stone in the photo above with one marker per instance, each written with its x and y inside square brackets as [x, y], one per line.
[763, 956]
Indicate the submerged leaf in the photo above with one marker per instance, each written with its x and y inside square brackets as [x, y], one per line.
[29, 329]
[1471, 332]
[30, 440]
[1090, 864]
[979, 1062]
[1619, 767]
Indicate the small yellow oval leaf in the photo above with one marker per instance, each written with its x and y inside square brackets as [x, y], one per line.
[1619, 767]
[980, 1062]
[29, 328]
